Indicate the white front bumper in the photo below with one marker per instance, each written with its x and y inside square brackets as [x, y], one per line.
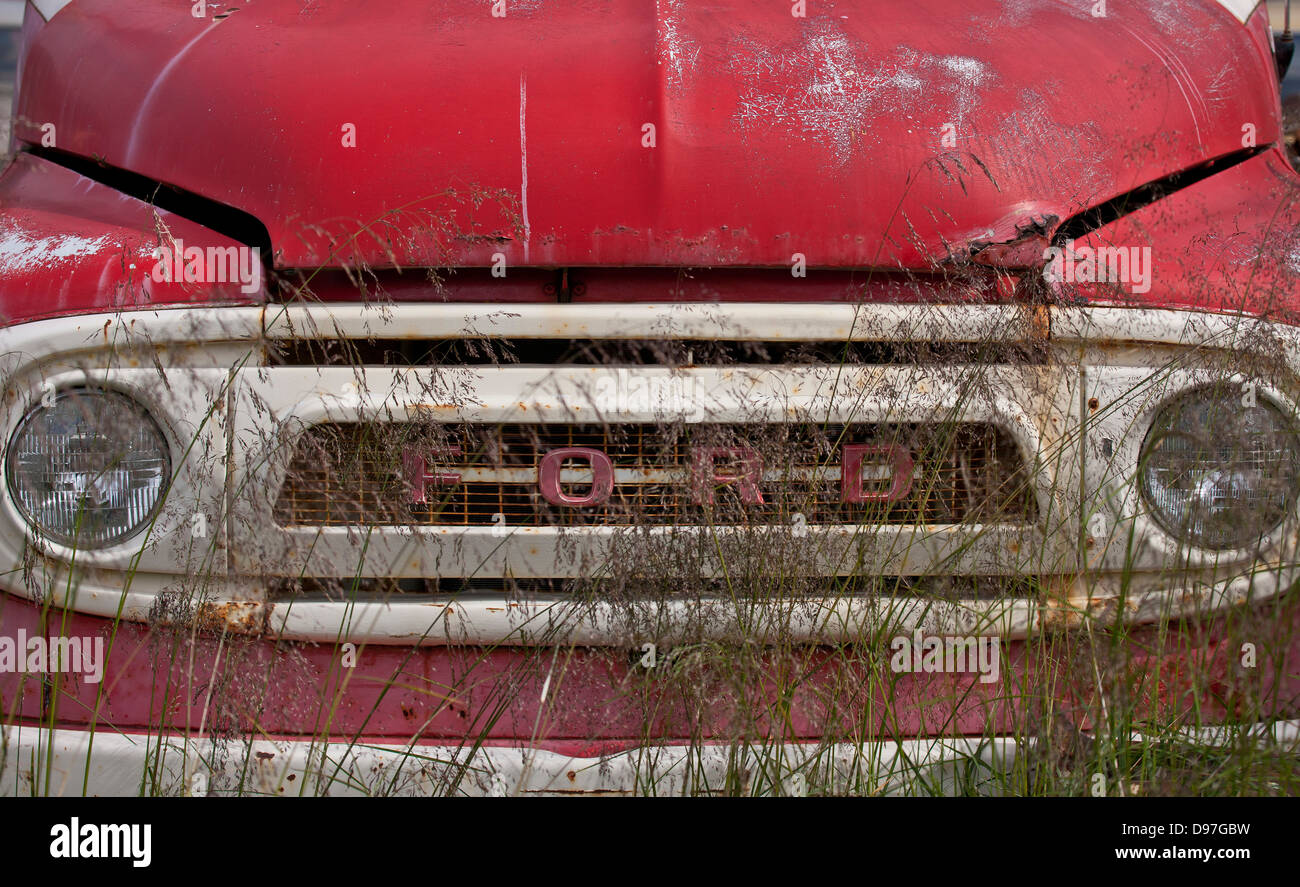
[41, 762]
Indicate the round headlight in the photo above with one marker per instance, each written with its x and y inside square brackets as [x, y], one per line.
[89, 469]
[1219, 474]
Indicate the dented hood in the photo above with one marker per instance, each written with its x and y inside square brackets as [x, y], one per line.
[626, 132]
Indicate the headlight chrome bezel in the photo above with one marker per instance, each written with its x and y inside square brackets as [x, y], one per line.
[80, 542]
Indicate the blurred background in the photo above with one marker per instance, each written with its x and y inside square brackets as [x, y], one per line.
[1291, 85]
[11, 18]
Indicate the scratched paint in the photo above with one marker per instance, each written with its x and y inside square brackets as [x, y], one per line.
[829, 87]
[21, 252]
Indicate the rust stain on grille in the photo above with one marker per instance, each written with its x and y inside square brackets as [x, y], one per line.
[353, 474]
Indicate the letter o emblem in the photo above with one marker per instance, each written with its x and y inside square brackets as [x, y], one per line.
[548, 477]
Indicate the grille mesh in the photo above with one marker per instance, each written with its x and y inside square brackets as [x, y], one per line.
[353, 474]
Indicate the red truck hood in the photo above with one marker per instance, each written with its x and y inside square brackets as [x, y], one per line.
[864, 134]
